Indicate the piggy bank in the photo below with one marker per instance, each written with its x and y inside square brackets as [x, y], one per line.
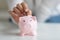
[28, 25]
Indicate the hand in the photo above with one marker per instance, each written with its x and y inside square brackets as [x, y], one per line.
[19, 11]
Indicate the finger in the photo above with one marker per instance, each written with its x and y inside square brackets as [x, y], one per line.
[16, 10]
[29, 12]
[15, 16]
[19, 6]
[25, 8]
[25, 12]
[24, 5]
[21, 15]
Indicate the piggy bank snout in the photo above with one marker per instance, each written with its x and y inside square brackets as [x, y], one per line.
[27, 23]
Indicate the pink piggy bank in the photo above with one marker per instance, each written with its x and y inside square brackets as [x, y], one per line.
[28, 25]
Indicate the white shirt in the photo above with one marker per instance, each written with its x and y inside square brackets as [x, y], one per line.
[44, 9]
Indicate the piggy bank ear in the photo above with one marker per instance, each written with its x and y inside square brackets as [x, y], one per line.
[34, 17]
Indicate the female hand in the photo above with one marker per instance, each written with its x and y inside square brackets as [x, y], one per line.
[19, 11]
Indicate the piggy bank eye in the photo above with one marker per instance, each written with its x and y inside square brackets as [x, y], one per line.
[23, 20]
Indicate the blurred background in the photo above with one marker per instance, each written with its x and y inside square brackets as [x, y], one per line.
[3, 9]
[47, 13]
[48, 10]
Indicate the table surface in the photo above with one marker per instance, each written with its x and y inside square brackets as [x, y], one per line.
[46, 31]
